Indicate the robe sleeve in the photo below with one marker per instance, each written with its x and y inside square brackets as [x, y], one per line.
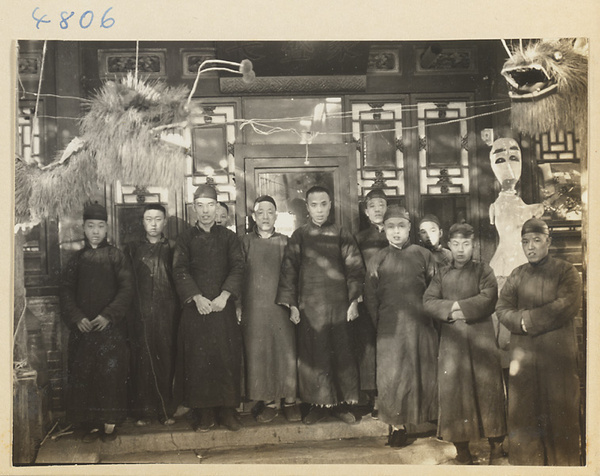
[353, 265]
[287, 290]
[121, 303]
[558, 312]
[433, 300]
[545, 318]
[371, 287]
[481, 305]
[184, 282]
[235, 277]
[431, 267]
[71, 313]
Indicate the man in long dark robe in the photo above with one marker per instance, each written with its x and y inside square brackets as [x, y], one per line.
[370, 241]
[537, 305]
[462, 297]
[321, 280]
[208, 269]
[95, 296]
[269, 335]
[152, 334]
[397, 277]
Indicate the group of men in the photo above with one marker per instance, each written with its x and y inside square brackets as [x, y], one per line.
[329, 319]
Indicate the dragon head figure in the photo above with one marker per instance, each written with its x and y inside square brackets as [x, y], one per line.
[547, 83]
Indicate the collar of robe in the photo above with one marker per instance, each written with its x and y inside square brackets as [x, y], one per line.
[258, 234]
[405, 245]
[541, 262]
[162, 239]
[199, 228]
[88, 245]
[323, 225]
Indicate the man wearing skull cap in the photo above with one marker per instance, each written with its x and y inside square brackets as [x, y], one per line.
[208, 269]
[537, 305]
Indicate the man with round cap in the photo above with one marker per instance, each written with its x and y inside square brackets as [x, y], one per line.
[370, 241]
[208, 270]
[538, 304]
[397, 277]
[430, 235]
[95, 295]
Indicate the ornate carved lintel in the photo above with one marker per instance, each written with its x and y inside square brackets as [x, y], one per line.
[442, 109]
[379, 181]
[140, 194]
[208, 110]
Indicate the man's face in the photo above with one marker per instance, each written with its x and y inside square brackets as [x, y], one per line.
[206, 210]
[375, 209]
[265, 215]
[221, 216]
[319, 206]
[462, 249]
[505, 158]
[154, 223]
[95, 231]
[430, 234]
[397, 230]
[535, 246]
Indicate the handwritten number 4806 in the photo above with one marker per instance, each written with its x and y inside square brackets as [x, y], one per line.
[85, 20]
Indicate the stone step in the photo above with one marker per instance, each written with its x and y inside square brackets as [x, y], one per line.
[156, 438]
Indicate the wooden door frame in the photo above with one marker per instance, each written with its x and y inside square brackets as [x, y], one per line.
[293, 156]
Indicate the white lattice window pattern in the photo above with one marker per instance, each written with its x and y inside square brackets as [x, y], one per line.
[29, 135]
[441, 126]
[390, 117]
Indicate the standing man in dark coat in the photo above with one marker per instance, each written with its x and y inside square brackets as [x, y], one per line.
[208, 269]
[370, 241]
[95, 296]
[321, 280]
[537, 305]
[397, 277]
[153, 328]
[462, 297]
[430, 235]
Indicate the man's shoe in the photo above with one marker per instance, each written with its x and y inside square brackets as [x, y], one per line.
[497, 452]
[229, 419]
[205, 420]
[266, 415]
[315, 415]
[112, 436]
[398, 438]
[345, 415]
[292, 412]
[91, 436]
[464, 459]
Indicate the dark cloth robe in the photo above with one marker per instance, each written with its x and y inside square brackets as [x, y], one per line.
[321, 273]
[153, 327]
[269, 335]
[470, 386]
[97, 282]
[543, 390]
[210, 346]
[442, 256]
[406, 339]
[370, 241]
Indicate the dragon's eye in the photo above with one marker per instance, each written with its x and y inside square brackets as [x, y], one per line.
[558, 55]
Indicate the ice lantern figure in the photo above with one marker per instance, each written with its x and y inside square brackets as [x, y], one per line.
[508, 213]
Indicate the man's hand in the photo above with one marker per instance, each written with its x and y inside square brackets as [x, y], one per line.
[352, 311]
[458, 316]
[219, 303]
[100, 323]
[238, 314]
[294, 314]
[85, 325]
[203, 305]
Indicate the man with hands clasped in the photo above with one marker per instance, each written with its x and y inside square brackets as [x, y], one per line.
[95, 296]
[208, 269]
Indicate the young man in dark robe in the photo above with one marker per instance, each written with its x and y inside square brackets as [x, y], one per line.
[269, 335]
[321, 280]
[370, 241]
[95, 296]
[208, 269]
[430, 235]
[462, 297]
[397, 277]
[152, 335]
[537, 305]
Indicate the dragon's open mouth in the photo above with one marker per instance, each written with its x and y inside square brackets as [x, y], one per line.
[528, 82]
